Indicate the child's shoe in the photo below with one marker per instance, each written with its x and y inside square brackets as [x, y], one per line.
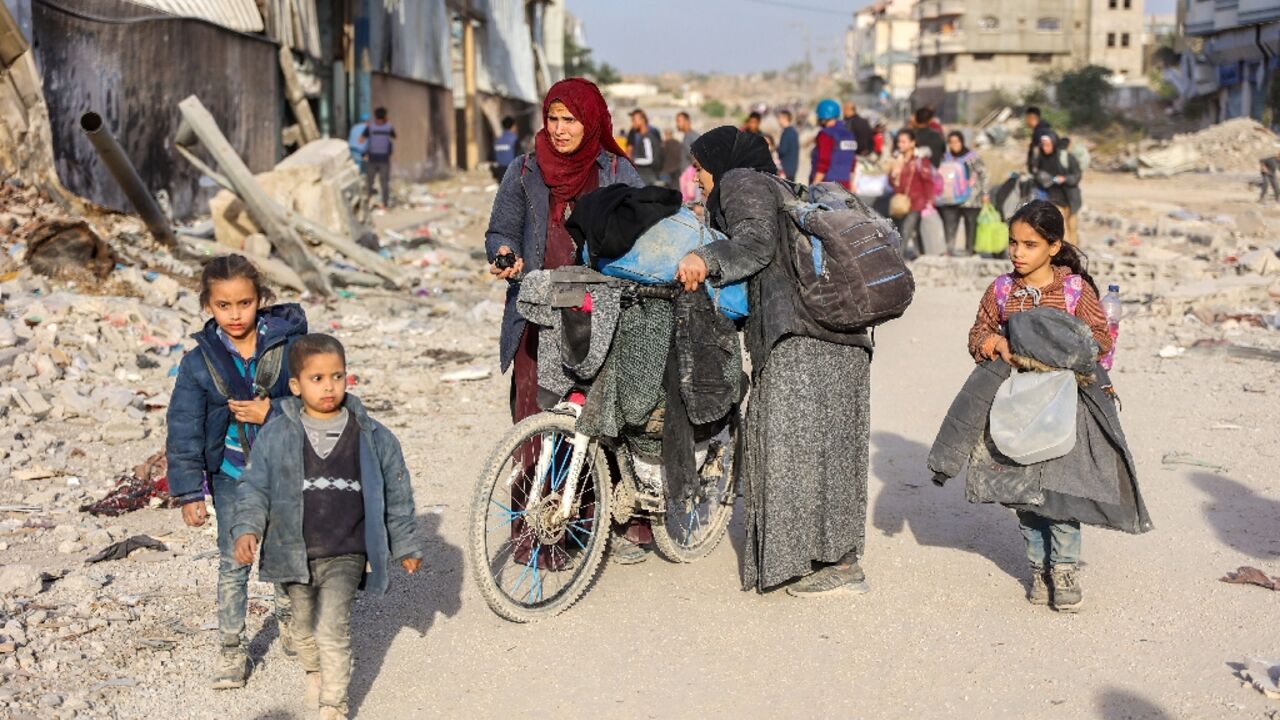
[311, 695]
[1038, 594]
[1067, 595]
[232, 668]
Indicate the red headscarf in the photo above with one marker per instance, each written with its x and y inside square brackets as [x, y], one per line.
[570, 175]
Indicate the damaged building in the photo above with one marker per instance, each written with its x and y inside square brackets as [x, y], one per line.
[1231, 60]
[278, 73]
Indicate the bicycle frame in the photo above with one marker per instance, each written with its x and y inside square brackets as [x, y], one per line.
[580, 444]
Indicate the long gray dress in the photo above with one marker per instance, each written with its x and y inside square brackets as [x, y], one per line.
[806, 472]
[808, 415]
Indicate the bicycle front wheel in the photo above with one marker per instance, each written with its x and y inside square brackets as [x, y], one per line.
[530, 561]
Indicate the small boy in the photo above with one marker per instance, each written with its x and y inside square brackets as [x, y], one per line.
[1269, 166]
[328, 486]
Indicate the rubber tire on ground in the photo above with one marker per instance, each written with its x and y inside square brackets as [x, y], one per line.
[589, 562]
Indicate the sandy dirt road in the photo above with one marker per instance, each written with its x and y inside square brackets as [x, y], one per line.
[945, 631]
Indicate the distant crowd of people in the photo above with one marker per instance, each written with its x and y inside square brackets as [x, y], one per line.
[932, 181]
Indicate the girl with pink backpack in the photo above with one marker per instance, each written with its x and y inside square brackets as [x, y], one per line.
[1048, 272]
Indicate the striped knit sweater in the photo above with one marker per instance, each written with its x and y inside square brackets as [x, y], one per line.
[990, 323]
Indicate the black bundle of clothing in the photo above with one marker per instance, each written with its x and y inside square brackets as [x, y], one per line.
[608, 221]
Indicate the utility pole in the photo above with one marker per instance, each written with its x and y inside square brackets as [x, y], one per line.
[469, 114]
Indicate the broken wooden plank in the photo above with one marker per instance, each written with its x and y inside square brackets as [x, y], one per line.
[198, 124]
[296, 98]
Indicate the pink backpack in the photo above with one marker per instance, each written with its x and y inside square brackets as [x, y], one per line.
[1072, 289]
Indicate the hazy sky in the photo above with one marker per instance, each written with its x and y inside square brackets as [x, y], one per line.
[723, 35]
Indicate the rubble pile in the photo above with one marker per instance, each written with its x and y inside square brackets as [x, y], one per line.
[88, 358]
[1234, 146]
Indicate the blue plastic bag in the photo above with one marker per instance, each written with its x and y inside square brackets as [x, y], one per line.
[657, 253]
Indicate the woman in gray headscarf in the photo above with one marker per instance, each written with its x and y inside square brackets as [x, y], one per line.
[808, 415]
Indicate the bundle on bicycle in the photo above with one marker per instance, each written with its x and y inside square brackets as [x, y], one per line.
[640, 385]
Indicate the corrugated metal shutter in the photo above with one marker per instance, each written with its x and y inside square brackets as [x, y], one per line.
[241, 15]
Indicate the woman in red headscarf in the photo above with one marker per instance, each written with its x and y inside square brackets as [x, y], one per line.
[575, 153]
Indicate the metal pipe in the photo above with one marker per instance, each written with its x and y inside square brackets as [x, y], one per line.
[127, 177]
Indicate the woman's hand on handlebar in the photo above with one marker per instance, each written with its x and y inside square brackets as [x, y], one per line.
[509, 272]
[691, 272]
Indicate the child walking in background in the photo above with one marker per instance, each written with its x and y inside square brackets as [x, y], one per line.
[1095, 482]
[325, 495]
[226, 390]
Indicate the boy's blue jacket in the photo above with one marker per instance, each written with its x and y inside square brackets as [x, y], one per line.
[269, 502]
[198, 416]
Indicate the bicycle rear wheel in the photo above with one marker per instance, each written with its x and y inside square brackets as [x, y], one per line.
[531, 563]
[689, 529]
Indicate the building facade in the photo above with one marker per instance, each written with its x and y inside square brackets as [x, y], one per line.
[969, 50]
[133, 60]
[880, 49]
[1231, 57]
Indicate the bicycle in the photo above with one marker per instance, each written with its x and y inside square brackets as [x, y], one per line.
[544, 504]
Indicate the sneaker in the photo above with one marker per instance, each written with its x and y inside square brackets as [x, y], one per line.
[233, 667]
[626, 552]
[830, 580]
[311, 693]
[1039, 592]
[1067, 595]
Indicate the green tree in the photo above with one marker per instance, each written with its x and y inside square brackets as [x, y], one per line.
[1084, 94]
[607, 74]
[714, 108]
[577, 59]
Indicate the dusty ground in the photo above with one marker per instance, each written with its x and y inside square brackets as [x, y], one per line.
[945, 631]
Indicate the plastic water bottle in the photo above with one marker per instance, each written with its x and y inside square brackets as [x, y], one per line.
[1111, 306]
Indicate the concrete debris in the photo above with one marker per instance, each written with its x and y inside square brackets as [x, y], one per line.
[1234, 146]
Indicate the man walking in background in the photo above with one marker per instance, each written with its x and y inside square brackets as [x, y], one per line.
[929, 137]
[860, 127]
[688, 136]
[505, 148]
[834, 150]
[355, 142]
[1039, 128]
[752, 125]
[379, 138]
[646, 147]
[788, 146]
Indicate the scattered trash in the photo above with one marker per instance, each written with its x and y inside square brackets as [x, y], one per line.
[467, 374]
[1247, 575]
[1168, 352]
[135, 491]
[120, 550]
[1264, 676]
[1177, 458]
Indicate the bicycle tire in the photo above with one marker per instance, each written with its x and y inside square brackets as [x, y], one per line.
[596, 476]
[669, 544]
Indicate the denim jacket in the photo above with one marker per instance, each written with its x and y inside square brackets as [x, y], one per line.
[269, 503]
[198, 416]
[519, 222]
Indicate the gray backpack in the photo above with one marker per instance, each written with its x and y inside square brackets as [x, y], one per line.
[847, 261]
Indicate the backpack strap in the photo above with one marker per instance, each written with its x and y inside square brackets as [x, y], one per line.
[1072, 289]
[1003, 286]
[269, 366]
[218, 382]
